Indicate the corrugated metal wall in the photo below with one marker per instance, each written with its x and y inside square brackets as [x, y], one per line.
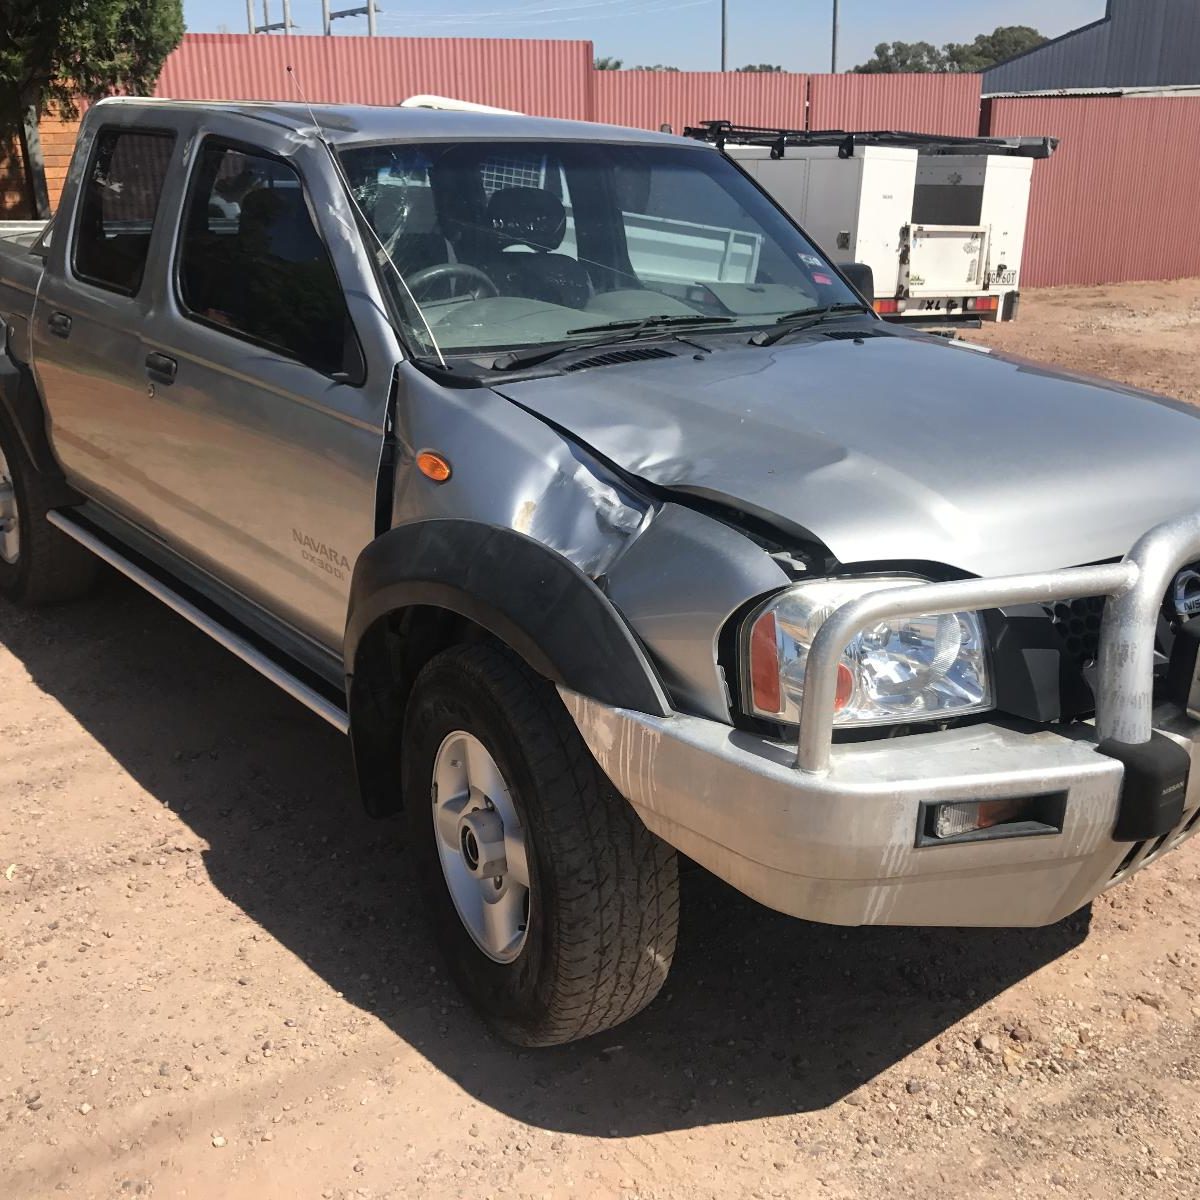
[1140, 43]
[650, 99]
[1118, 200]
[549, 78]
[915, 103]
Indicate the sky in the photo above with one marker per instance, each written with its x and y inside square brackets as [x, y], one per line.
[684, 33]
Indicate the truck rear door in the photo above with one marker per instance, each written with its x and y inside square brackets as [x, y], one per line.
[944, 260]
[95, 298]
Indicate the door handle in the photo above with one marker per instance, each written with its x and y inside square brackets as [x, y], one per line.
[161, 367]
[60, 324]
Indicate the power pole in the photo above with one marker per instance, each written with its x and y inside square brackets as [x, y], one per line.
[325, 27]
[368, 10]
[833, 64]
[724, 33]
[249, 16]
[269, 26]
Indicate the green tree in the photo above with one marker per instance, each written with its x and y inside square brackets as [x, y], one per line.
[923, 57]
[988, 49]
[897, 58]
[656, 67]
[760, 69]
[55, 52]
[608, 63]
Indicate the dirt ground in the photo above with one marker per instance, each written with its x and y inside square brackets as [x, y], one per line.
[215, 983]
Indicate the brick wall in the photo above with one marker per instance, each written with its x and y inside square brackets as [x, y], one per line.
[58, 141]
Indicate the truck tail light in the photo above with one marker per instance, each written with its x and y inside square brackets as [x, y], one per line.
[884, 307]
[982, 303]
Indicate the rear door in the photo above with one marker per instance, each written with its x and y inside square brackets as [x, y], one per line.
[95, 299]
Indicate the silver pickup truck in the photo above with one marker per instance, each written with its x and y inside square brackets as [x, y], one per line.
[556, 466]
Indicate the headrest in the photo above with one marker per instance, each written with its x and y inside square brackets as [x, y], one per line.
[523, 216]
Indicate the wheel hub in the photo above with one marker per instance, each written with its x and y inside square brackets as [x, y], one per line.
[10, 524]
[481, 846]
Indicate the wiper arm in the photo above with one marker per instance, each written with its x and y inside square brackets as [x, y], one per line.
[635, 325]
[806, 318]
[531, 356]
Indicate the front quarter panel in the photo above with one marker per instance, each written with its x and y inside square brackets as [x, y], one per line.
[509, 469]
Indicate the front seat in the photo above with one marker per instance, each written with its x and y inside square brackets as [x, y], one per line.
[534, 218]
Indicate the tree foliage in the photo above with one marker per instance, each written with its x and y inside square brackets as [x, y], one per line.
[760, 69]
[985, 51]
[608, 63]
[54, 51]
[656, 67]
[988, 49]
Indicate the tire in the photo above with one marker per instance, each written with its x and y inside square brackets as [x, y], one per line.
[42, 565]
[603, 892]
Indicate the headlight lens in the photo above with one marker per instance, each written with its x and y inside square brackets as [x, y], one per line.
[906, 669]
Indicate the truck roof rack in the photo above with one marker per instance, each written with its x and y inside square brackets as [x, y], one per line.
[720, 132]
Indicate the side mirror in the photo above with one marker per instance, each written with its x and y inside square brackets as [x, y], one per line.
[862, 277]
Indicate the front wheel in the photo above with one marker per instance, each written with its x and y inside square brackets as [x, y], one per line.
[554, 905]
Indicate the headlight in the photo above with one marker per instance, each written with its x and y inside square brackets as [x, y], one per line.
[906, 669]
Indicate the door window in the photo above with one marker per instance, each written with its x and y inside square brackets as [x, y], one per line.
[253, 263]
[120, 200]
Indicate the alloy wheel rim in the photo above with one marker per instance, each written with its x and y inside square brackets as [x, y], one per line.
[481, 846]
[10, 522]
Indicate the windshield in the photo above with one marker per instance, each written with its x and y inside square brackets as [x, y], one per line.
[513, 244]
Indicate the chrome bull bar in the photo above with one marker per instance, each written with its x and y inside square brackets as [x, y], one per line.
[1135, 588]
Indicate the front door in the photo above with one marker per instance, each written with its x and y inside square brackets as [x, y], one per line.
[269, 396]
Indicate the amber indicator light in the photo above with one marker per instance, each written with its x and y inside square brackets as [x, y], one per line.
[433, 465]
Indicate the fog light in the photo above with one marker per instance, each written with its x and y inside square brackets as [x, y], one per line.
[975, 820]
[953, 820]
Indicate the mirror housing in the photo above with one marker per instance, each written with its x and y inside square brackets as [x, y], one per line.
[862, 277]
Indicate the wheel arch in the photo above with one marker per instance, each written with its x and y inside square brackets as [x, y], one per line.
[26, 414]
[428, 585]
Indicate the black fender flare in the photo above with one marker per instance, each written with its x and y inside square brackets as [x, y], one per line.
[518, 589]
[23, 407]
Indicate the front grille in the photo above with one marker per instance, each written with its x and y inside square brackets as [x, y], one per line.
[1141, 854]
[1077, 623]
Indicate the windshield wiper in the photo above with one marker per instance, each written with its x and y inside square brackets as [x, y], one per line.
[805, 318]
[629, 329]
[635, 325]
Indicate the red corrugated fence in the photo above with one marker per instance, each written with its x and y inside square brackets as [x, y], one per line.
[1118, 200]
[947, 104]
[549, 78]
[651, 99]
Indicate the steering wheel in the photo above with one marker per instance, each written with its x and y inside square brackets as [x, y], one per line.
[481, 286]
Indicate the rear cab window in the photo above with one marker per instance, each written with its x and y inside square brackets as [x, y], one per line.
[252, 262]
[118, 205]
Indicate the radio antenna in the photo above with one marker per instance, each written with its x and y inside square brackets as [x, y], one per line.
[362, 216]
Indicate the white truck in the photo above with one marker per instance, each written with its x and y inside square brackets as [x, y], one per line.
[940, 221]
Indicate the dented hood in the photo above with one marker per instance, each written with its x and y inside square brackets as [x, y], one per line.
[895, 448]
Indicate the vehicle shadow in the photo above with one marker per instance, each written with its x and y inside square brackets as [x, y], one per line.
[762, 1015]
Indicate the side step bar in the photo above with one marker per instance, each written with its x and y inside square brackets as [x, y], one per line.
[232, 642]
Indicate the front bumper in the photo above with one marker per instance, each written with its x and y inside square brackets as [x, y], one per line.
[841, 847]
[829, 833]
